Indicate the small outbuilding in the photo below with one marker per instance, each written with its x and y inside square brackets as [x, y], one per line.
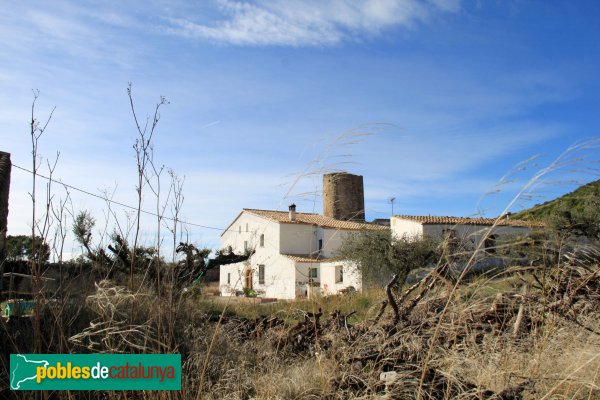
[467, 230]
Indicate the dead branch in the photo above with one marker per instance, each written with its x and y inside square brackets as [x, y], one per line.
[391, 299]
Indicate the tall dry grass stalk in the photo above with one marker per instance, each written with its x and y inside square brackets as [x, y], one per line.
[522, 333]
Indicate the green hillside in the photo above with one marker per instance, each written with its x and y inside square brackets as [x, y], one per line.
[578, 210]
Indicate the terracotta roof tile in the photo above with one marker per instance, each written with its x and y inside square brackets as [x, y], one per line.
[309, 258]
[314, 219]
[431, 219]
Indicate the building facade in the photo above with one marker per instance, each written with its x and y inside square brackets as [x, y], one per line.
[473, 231]
[293, 254]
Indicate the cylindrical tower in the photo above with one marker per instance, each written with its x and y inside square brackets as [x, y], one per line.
[343, 196]
[5, 167]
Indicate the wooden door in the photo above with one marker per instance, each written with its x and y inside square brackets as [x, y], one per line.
[248, 279]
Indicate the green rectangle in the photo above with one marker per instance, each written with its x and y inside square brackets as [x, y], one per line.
[18, 308]
[104, 371]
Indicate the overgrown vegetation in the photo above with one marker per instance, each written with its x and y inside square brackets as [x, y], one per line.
[527, 331]
[576, 213]
[20, 247]
[379, 256]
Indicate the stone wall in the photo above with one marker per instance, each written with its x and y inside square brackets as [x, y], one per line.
[5, 167]
[343, 196]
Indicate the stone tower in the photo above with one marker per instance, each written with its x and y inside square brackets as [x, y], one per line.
[343, 196]
[5, 167]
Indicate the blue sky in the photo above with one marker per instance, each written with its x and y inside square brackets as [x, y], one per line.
[433, 102]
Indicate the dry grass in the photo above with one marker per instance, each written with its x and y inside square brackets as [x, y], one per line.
[526, 334]
[364, 304]
[501, 337]
[494, 341]
[316, 349]
[551, 352]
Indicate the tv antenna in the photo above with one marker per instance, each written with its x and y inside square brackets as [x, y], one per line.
[391, 200]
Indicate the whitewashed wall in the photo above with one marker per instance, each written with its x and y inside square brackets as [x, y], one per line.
[467, 233]
[332, 241]
[284, 278]
[472, 234]
[280, 277]
[248, 227]
[405, 228]
[297, 238]
[328, 273]
[301, 277]
[236, 275]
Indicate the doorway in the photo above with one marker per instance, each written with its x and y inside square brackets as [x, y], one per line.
[248, 279]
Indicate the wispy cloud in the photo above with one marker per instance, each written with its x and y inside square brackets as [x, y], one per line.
[466, 102]
[213, 123]
[308, 23]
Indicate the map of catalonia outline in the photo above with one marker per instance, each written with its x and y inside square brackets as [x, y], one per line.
[17, 386]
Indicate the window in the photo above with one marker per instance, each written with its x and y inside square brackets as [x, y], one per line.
[245, 246]
[261, 274]
[320, 244]
[262, 240]
[228, 278]
[312, 273]
[339, 274]
[490, 244]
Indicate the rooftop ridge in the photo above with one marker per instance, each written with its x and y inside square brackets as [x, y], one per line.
[438, 219]
[278, 211]
[313, 219]
[310, 258]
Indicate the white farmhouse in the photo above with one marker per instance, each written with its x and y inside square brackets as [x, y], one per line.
[468, 230]
[293, 254]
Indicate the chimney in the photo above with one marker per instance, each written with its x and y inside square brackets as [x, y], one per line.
[292, 212]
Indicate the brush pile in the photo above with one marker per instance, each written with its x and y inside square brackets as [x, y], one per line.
[434, 341]
[535, 338]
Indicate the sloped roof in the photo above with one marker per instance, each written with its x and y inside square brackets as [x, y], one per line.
[309, 258]
[432, 219]
[313, 219]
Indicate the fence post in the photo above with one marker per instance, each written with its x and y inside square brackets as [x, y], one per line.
[5, 167]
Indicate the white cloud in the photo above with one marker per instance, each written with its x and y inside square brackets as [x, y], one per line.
[308, 23]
